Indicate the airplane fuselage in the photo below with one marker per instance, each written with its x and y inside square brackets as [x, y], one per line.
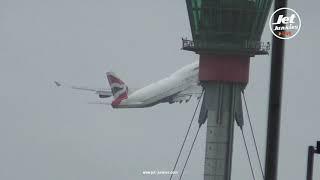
[163, 90]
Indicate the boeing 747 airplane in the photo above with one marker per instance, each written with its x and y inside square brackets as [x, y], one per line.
[178, 87]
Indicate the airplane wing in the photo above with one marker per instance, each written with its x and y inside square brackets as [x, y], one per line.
[103, 93]
[187, 94]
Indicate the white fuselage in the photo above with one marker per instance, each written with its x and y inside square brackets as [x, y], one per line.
[163, 90]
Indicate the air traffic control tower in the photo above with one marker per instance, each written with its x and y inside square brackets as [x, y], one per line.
[225, 33]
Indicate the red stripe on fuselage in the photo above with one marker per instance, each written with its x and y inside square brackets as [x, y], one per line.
[119, 99]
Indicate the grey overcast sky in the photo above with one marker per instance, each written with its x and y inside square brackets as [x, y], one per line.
[50, 133]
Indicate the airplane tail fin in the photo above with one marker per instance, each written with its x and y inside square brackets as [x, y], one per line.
[118, 87]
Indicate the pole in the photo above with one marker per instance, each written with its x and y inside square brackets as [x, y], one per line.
[274, 114]
[310, 163]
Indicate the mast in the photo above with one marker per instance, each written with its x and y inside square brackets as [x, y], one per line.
[274, 110]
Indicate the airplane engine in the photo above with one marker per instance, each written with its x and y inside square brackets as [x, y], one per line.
[103, 96]
[180, 99]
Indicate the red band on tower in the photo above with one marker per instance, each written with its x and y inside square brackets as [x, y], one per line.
[224, 68]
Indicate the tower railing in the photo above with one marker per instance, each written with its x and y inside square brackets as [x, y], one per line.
[247, 47]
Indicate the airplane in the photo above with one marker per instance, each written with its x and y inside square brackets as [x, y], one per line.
[178, 87]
